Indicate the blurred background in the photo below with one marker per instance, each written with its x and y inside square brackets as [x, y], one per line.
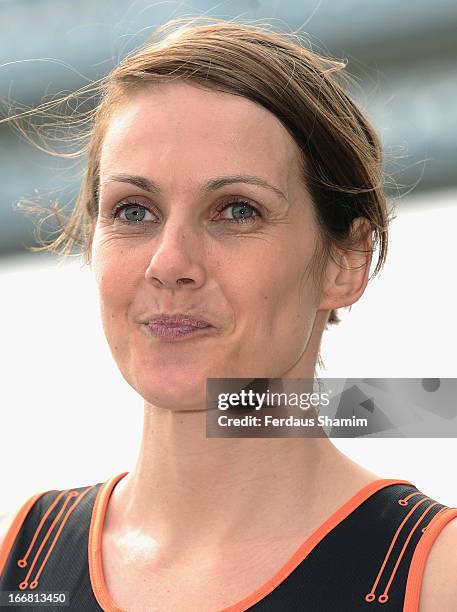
[62, 395]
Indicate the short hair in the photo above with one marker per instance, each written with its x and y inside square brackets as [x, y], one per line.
[340, 153]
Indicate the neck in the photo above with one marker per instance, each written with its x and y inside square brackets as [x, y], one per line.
[188, 492]
[186, 488]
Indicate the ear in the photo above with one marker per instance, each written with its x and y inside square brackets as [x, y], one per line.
[347, 272]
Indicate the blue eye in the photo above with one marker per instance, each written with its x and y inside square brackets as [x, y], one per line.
[138, 215]
[138, 212]
[242, 205]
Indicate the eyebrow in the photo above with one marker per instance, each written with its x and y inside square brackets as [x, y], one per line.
[212, 185]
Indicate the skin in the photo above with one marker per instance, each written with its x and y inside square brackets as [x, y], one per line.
[185, 503]
[188, 496]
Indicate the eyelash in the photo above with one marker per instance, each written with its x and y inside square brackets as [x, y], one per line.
[131, 203]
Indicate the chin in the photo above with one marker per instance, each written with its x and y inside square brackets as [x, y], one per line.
[175, 393]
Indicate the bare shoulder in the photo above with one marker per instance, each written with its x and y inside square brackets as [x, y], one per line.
[439, 583]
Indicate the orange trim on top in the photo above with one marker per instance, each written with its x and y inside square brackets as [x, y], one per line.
[22, 562]
[417, 566]
[97, 578]
[371, 596]
[73, 494]
[96, 527]
[15, 526]
[313, 540]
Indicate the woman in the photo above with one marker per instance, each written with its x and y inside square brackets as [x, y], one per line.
[231, 186]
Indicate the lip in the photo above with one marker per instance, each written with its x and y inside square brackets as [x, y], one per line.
[179, 319]
[174, 332]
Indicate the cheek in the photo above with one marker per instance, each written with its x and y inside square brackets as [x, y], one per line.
[114, 297]
[114, 275]
[285, 279]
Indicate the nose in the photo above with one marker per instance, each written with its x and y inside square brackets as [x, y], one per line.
[176, 261]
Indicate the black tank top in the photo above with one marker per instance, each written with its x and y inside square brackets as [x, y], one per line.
[368, 555]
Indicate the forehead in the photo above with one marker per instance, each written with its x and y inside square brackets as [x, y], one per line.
[199, 132]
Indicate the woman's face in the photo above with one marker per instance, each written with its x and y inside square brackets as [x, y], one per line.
[250, 279]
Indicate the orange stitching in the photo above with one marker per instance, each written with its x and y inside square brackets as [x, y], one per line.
[34, 582]
[439, 512]
[371, 596]
[24, 583]
[404, 500]
[384, 597]
[23, 561]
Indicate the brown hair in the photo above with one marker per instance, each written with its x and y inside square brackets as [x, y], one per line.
[341, 156]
